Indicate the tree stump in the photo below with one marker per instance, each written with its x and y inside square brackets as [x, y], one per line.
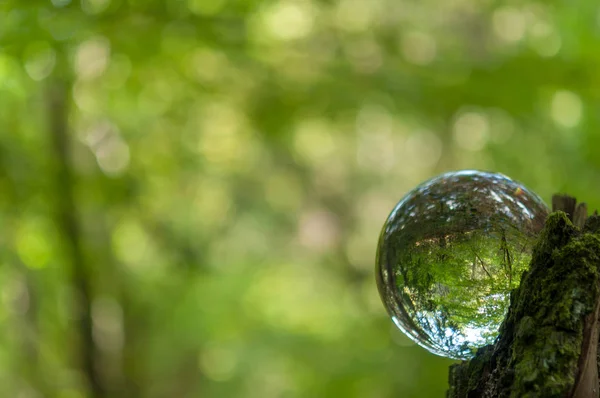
[548, 343]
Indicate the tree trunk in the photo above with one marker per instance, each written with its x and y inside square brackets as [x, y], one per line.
[69, 223]
[548, 342]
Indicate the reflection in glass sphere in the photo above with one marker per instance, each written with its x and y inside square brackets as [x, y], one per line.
[449, 254]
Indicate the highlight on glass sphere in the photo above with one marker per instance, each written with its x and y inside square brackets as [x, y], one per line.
[449, 254]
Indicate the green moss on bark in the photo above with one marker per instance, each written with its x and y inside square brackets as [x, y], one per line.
[539, 347]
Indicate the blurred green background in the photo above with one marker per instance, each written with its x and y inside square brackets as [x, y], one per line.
[191, 191]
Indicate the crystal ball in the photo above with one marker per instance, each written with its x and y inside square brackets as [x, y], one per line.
[449, 254]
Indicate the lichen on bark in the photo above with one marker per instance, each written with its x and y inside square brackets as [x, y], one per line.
[545, 344]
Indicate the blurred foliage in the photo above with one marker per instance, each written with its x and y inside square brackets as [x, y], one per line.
[192, 191]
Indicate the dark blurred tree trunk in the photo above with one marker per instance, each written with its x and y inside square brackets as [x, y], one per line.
[548, 342]
[57, 99]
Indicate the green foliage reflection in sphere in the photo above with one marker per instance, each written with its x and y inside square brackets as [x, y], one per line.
[449, 254]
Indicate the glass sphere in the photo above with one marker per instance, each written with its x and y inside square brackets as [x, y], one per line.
[449, 254]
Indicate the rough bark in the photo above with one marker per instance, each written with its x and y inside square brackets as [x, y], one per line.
[548, 342]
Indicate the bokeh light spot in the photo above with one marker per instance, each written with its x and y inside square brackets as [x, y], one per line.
[418, 48]
[509, 24]
[318, 230]
[375, 144]
[422, 151]
[545, 39]
[93, 7]
[502, 125]
[206, 65]
[289, 20]
[218, 363]
[92, 58]
[33, 245]
[84, 97]
[132, 244]
[40, 59]
[10, 72]
[471, 130]
[360, 249]
[112, 152]
[225, 140]
[566, 108]
[309, 301]
[113, 158]
[212, 203]
[356, 15]
[313, 140]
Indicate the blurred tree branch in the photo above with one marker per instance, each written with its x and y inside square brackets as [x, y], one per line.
[57, 99]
